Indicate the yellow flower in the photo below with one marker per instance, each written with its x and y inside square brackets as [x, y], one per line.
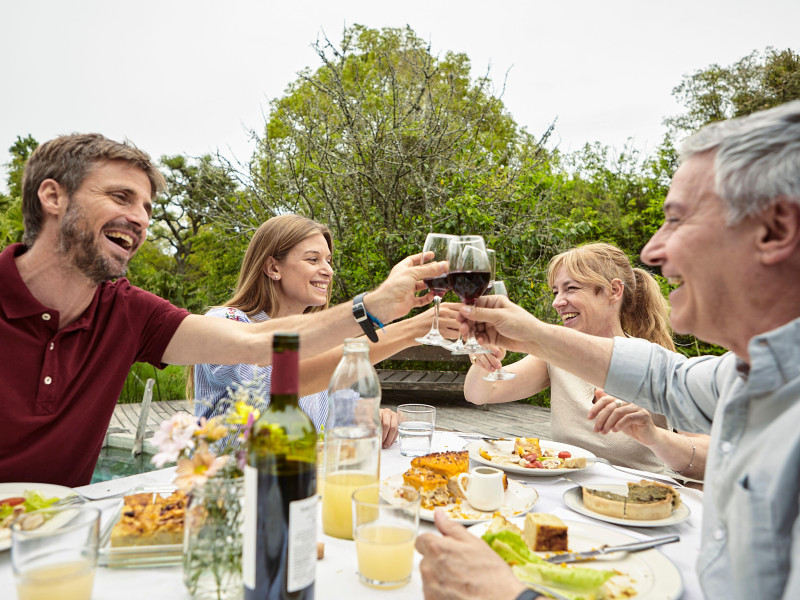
[196, 471]
[212, 429]
[243, 410]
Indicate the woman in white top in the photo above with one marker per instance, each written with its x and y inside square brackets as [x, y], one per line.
[596, 291]
[287, 270]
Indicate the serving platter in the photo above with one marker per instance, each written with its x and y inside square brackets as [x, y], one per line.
[48, 490]
[650, 573]
[519, 499]
[506, 447]
[573, 498]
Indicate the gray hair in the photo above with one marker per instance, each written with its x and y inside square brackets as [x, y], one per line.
[757, 158]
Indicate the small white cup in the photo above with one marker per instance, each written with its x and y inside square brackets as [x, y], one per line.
[484, 490]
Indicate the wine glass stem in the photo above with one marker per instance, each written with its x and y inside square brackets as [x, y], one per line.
[435, 326]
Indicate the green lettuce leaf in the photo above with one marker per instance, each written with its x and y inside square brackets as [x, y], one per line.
[35, 501]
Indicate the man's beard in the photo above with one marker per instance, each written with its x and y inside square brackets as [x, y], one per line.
[87, 255]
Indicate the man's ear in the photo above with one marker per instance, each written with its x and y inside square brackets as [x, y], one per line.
[52, 197]
[779, 232]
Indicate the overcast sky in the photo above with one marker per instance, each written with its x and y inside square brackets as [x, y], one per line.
[193, 76]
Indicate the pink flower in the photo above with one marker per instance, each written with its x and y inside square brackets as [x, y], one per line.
[174, 437]
[196, 471]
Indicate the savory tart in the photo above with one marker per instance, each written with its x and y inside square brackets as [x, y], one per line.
[150, 519]
[545, 533]
[645, 501]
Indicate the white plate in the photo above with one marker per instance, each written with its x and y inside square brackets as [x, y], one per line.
[573, 498]
[519, 500]
[48, 490]
[649, 572]
[508, 446]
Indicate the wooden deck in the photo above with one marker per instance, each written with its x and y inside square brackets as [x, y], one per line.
[496, 420]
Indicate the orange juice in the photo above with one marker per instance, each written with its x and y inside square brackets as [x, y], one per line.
[66, 581]
[385, 554]
[337, 509]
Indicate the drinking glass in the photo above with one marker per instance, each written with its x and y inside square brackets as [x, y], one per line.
[438, 243]
[385, 524]
[469, 274]
[415, 426]
[54, 552]
[499, 288]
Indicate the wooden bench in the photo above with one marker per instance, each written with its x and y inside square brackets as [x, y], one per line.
[448, 384]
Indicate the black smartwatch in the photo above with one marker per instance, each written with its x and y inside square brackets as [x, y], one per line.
[528, 595]
[362, 318]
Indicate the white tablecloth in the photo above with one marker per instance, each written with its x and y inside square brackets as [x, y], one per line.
[336, 573]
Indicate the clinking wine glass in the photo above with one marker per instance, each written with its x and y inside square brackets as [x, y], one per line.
[438, 243]
[498, 288]
[469, 274]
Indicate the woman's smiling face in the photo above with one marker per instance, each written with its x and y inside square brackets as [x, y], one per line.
[583, 307]
[304, 276]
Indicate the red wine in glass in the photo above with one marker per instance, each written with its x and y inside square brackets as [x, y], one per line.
[469, 285]
[438, 285]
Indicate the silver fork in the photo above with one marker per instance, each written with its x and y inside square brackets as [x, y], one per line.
[76, 498]
[662, 478]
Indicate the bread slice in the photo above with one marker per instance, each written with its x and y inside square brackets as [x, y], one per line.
[645, 501]
[545, 533]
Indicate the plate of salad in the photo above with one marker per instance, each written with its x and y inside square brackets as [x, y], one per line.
[25, 497]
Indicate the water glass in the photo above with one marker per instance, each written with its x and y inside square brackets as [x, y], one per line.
[416, 424]
[54, 552]
[385, 524]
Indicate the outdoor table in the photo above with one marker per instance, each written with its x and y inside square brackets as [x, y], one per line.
[336, 572]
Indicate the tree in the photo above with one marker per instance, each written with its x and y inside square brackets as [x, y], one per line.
[385, 142]
[756, 82]
[11, 225]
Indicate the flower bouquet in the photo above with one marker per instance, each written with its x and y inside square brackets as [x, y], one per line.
[210, 456]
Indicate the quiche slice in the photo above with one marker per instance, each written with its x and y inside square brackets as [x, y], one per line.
[149, 519]
[524, 446]
[449, 464]
[436, 477]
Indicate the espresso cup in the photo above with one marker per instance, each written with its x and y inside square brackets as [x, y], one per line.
[483, 488]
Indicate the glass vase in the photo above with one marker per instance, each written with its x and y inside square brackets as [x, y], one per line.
[212, 540]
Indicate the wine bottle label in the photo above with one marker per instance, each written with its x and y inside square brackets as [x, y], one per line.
[250, 526]
[302, 552]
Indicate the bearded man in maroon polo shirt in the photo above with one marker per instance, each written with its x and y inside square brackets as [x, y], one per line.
[71, 325]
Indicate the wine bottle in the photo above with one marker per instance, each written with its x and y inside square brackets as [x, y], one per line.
[280, 549]
[352, 437]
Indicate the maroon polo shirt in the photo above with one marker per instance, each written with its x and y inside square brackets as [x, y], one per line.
[59, 388]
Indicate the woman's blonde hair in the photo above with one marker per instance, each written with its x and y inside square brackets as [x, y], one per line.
[254, 291]
[644, 312]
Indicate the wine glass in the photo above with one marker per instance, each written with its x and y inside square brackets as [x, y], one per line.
[499, 289]
[492, 269]
[438, 243]
[469, 274]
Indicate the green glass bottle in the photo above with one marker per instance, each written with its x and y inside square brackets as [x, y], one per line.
[280, 550]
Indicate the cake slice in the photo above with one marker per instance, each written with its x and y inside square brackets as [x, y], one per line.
[545, 533]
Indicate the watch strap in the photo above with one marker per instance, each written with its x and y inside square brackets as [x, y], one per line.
[362, 318]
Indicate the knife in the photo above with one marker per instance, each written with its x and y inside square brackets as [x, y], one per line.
[603, 550]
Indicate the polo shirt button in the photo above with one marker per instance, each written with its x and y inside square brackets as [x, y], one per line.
[719, 534]
[52, 345]
[726, 447]
[48, 380]
[45, 316]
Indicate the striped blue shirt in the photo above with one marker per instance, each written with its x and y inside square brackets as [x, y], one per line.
[213, 382]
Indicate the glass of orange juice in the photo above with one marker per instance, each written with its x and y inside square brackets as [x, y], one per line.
[385, 523]
[54, 553]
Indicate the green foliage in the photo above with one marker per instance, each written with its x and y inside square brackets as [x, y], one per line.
[11, 225]
[758, 81]
[170, 383]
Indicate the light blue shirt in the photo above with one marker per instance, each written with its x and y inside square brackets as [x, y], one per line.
[752, 481]
[212, 382]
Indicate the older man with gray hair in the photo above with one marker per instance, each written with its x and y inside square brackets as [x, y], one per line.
[730, 246]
